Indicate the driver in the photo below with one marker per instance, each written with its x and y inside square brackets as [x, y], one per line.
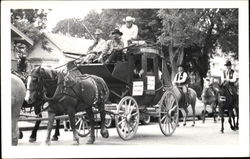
[180, 80]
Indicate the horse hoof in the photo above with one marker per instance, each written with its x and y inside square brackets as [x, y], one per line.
[222, 131]
[20, 135]
[76, 142]
[47, 143]
[105, 134]
[54, 138]
[192, 125]
[90, 141]
[32, 139]
[184, 124]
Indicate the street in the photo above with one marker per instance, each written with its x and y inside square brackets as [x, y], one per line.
[202, 134]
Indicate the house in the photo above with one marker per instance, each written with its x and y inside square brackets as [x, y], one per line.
[60, 50]
[18, 39]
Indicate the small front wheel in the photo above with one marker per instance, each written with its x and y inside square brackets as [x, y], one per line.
[127, 118]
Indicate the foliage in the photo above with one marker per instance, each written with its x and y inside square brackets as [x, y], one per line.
[146, 19]
[31, 22]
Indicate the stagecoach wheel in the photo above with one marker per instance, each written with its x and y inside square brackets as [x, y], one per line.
[168, 113]
[82, 127]
[108, 121]
[127, 118]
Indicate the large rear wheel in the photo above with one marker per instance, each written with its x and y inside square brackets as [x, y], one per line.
[168, 113]
[127, 118]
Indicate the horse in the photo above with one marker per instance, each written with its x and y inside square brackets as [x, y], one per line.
[183, 104]
[69, 95]
[17, 97]
[210, 97]
[227, 101]
[37, 109]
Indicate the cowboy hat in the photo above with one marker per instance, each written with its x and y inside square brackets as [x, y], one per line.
[129, 19]
[98, 31]
[228, 63]
[117, 31]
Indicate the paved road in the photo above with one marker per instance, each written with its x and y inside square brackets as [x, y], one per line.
[201, 134]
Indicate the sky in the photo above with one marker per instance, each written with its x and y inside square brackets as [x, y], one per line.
[57, 14]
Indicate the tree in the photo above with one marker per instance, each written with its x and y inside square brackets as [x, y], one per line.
[206, 29]
[148, 23]
[31, 22]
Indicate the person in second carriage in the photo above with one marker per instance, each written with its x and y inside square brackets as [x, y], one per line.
[96, 49]
[180, 80]
[114, 50]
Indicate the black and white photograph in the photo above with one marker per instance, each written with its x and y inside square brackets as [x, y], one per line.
[84, 79]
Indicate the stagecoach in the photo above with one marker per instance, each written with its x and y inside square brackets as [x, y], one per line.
[134, 98]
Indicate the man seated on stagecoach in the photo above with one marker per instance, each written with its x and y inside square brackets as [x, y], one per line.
[114, 50]
[180, 80]
[96, 49]
[129, 30]
[228, 78]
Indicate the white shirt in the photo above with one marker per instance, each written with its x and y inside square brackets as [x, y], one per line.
[128, 33]
[178, 79]
[100, 47]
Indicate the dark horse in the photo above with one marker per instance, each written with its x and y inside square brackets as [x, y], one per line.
[38, 105]
[71, 95]
[228, 101]
[210, 97]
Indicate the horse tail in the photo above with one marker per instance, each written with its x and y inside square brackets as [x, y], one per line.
[104, 87]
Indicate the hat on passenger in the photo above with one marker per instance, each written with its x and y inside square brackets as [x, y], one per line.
[129, 19]
[228, 63]
[117, 31]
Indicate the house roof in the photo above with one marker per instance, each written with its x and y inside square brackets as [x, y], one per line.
[17, 35]
[67, 44]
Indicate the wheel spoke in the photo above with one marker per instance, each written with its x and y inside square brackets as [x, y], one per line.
[121, 121]
[163, 118]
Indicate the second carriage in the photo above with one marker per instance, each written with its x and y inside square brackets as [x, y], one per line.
[135, 97]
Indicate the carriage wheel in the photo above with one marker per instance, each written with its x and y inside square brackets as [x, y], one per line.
[127, 118]
[168, 113]
[82, 127]
[108, 121]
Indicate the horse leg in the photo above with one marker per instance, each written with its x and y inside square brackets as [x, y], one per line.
[104, 131]
[237, 121]
[231, 116]
[193, 108]
[185, 111]
[57, 132]
[51, 117]
[34, 131]
[214, 111]
[90, 114]
[73, 127]
[222, 119]
[204, 113]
